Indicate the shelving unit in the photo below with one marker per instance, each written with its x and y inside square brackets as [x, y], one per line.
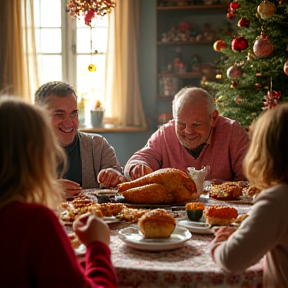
[192, 47]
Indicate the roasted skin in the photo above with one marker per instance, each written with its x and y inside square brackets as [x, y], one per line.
[179, 187]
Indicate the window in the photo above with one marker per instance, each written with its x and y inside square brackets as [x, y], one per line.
[66, 47]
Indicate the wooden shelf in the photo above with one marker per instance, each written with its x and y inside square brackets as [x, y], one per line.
[191, 42]
[191, 7]
[181, 75]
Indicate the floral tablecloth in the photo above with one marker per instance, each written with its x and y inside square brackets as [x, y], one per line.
[188, 266]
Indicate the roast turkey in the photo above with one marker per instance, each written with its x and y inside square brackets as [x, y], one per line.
[167, 185]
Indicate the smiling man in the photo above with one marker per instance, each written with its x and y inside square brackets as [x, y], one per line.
[196, 137]
[89, 156]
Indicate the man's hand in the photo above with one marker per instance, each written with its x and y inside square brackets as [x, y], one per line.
[110, 178]
[90, 228]
[71, 188]
[139, 170]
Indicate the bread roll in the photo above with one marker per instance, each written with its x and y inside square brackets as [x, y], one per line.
[157, 224]
[220, 215]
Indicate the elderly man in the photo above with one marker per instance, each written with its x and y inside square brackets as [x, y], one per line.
[89, 156]
[196, 137]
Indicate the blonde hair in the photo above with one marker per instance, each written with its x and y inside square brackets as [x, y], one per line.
[29, 155]
[192, 94]
[266, 161]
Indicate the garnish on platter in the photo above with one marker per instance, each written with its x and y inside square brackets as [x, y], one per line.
[194, 210]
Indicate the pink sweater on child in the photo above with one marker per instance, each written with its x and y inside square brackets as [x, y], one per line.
[224, 151]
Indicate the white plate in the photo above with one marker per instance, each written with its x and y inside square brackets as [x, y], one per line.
[110, 219]
[132, 237]
[195, 227]
[81, 250]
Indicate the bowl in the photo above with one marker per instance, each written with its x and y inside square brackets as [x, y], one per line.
[194, 215]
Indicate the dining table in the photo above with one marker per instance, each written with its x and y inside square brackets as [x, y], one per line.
[187, 265]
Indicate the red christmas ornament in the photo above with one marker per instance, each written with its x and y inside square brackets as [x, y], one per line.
[234, 5]
[234, 71]
[219, 45]
[262, 46]
[230, 15]
[239, 44]
[243, 23]
[266, 9]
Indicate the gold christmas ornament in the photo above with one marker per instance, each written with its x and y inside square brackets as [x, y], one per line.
[266, 10]
[233, 85]
[92, 68]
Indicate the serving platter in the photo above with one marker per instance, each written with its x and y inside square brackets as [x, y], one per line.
[134, 239]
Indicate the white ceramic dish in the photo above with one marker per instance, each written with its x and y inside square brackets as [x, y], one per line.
[195, 227]
[134, 239]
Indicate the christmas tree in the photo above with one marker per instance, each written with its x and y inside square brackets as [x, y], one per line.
[253, 68]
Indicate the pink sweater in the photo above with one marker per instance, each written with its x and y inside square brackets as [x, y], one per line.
[224, 153]
[36, 252]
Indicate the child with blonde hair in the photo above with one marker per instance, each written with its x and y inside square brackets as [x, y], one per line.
[265, 231]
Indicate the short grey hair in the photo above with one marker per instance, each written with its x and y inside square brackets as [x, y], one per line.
[193, 94]
[58, 88]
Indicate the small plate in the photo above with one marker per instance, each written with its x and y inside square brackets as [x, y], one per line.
[196, 227]
[134, 239]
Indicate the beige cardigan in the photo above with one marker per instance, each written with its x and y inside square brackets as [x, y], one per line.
[96, 154]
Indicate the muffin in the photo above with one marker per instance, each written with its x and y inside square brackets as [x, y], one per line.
[157, 223]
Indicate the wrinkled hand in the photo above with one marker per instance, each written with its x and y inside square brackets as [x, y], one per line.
[110, 178]
[71, 188]
[221, 235]
[90, 228]
[139, 170]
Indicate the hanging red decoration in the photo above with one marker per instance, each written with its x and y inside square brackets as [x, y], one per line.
[263, 46]
[90, 8]
[243, 23]
[271, 99]
[234, 5]
[239, 44]
[266, 10]
[230, 15]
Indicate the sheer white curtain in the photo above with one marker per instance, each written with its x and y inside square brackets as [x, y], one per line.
[19, 75]
[122, 93]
